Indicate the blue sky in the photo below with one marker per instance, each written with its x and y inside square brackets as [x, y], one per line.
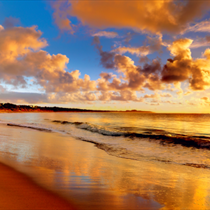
[47, 48]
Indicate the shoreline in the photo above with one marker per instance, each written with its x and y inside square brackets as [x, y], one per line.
[19, 191]
[8, 107]
[83, 111]
[102, 111]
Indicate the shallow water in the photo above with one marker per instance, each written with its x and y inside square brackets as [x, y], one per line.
[175, 138]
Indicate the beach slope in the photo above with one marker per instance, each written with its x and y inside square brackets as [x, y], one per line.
[18, 192]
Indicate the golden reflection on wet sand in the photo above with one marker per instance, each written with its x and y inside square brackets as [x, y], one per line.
[95, 180]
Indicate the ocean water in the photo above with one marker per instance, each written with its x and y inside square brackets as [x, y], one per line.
[182, 139]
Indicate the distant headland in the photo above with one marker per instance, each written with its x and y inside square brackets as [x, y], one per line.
[8, 107]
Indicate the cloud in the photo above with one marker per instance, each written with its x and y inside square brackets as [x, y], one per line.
[143, 59]
[131, 72]
[171, 102]
[187, 93]
[184, 68]
[179, 68]
[138, 51]
[200, 42]
[154, 16]
[107, 58]
[11, 22]
[152, 77]
[151, 68]
[134, 77]
[21, 57]
[168, 95]
[154, 44]
[106, 76]
[154, 96]
[61, 16]
[129, 36]
[15, 43]
[203, 26]
[153, 82]
[205, 101]
[24, 97]
[205, 98]
[106, 34]
[123, 95]
[18, 41]
[191, 103]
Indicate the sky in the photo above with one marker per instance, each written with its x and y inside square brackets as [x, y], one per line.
[151, 55]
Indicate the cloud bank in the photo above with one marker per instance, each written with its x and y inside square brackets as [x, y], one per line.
[154, 16]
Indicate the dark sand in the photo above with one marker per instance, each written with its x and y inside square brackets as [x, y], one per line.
[17, 191]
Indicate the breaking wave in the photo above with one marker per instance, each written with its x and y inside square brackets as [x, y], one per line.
[145, 144]
[122, 152]
[160, 136]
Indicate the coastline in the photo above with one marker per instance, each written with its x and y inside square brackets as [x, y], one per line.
[8, 107]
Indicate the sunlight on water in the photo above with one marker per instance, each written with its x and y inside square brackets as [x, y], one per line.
[161, 137]
[191, 124]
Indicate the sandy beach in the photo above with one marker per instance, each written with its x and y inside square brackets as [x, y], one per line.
[87, 177]
[19, 192]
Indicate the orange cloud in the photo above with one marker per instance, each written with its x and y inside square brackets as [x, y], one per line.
[154, 16]
[184, 68]
[22, 57]
[18, 41]
[133, 77]
[179, 68]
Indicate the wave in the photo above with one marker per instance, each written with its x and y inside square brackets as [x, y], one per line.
[133, 149]
[121, 152]
[161, 136]
[31, 127]
[93, 128]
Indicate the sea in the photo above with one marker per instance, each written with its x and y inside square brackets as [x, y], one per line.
[182, 139]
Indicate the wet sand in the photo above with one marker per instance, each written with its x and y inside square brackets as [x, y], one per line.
[91, 179]
[19, 192]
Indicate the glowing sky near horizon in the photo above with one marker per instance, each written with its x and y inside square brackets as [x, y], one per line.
[110, 54]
